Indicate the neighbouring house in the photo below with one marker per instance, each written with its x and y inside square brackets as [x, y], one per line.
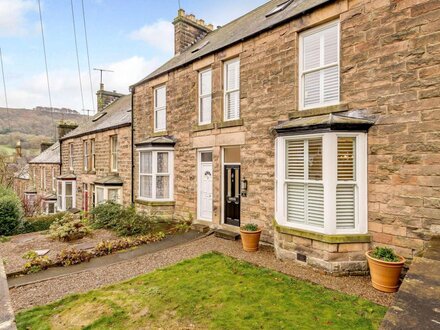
[43, 172]
[318, 120]
[96, 157]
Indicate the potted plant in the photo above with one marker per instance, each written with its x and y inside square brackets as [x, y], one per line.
[250, 237]
[385, 267]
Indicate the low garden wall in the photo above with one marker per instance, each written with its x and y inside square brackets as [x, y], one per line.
[7, 319]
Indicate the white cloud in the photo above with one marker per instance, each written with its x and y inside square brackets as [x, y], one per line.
[13, 17]
[65, 91]
[159, 35]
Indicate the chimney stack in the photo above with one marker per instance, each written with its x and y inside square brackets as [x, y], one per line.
[105, 98]
[65, 127]
[45, 145]
[18, 153]
[188, 30]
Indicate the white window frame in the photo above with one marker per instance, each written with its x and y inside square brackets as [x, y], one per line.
[303, 72]
[329, 179]
[71, 152]
[157, 109]
[227, 91]
[43, 178]
[92, 154]
[204, 96]
[54, 179]
[154, 174]
[114, 144]
[86, 155]
[46, 207]
[105, 190]
[62, 206]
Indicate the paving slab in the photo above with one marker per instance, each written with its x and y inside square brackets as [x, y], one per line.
[417, 304]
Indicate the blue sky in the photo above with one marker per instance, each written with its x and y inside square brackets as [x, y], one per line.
[131, 37]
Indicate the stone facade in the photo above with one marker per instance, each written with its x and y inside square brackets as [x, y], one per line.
[102, 162]
[43, 177]
[390, 68]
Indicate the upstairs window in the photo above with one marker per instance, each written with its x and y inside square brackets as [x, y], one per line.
[93, 156]
[54, 179]
[114, 153]
[205, 97]
[71, 156]
[160, 109]
[319, 66]
[232, 90]
[86, 156]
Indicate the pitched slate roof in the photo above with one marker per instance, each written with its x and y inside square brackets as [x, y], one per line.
[49, 156]
[117, 114]
[242, 28]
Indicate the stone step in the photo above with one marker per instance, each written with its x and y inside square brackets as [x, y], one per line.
[200, 227]
[226, 234]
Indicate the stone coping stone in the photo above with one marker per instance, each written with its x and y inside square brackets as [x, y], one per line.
[417, 304]
[7, 318]
[226, 234]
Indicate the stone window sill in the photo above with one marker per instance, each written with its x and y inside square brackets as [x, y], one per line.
[319, 111]
[230, 123]
[332, 239]
[206, 127]
[163, 133]
[154, 203]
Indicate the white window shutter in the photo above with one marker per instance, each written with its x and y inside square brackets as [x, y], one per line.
[205, 83]
[315, 205]
[232, 89]
[312, 51]
[346, 188]
[331, 84]
[233, 72]
[330, 44]
[296, 202]
[295, 159]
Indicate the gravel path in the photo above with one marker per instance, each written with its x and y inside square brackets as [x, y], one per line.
[54, 289]
[12, 251]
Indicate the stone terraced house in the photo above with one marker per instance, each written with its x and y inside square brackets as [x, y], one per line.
[96, 157]
[43, 171]
[318, 120]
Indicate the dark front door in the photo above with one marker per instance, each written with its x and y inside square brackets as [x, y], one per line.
[232, 195]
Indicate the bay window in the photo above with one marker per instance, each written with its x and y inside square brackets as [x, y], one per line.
[156, 175]
[108, 193]
[321, 182]
[66, 195]
[319, 66]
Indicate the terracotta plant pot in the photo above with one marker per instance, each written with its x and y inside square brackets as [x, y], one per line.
[385, 275]
[250, 240]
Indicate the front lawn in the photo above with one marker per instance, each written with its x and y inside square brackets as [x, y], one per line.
[209, 292]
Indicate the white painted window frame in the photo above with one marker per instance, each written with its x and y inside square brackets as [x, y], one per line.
[92, 155]
[227, 91]
[86, 155]
[46, 207]
[43, 178]
[303, 72]
[54, 179]
[329, 179]
[71, 153]
[157, 109]
[204, 96]
[114, 146]
[154, 173]
[62, 207]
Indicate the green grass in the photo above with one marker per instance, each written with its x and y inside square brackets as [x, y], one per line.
[209, 292]
[6, 150]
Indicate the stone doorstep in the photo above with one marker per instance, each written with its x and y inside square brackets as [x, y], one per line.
[200, 227]
[226, 234]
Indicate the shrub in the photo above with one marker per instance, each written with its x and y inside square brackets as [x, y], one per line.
[106, 215]
[11, 212]
[39, 223]
[70, 257]
[385, 254]
[250, 227]
[35, 262]
[68, 228]
[124, 220]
